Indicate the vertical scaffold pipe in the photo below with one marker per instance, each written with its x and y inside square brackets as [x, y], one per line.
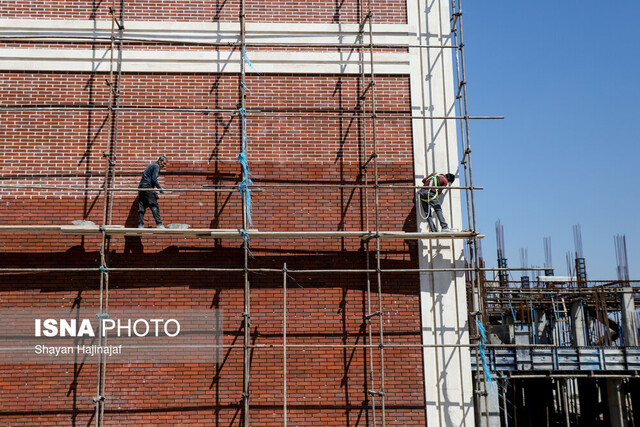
[456, 7]
[376, 192]
[246, 312]
[284, 343]
[364, 168]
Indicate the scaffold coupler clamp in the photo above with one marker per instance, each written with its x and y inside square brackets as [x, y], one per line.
[371, 315]
[481, 393]
[247, 318]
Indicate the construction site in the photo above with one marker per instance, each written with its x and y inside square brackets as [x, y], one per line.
[298, 136]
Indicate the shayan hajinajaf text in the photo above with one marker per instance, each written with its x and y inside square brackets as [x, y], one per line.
[89, 350]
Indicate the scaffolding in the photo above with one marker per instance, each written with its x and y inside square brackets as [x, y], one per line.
[370, 236]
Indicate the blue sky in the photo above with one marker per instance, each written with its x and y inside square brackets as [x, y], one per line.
[566, 77]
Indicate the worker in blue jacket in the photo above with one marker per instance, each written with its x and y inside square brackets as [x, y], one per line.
[149, 199]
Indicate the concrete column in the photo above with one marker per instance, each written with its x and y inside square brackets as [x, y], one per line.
[565, 401]
[629, 327]
[489, 408]
[579, 327]
[615, 403]
[541, 327]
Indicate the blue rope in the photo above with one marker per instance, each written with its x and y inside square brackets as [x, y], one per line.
[244, 185]
[247, 60]
[560, 332]
[533, 323]
[242, 158]
[243, 115]
[483, 352]
[503, 396]
[246, 239]
[245, 87]
[513, 313]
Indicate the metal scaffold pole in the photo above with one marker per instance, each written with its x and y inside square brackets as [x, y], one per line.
[367, 90]
[284, 344]
[246, 314]
[376, 189]
[481, 384]
[113, 83]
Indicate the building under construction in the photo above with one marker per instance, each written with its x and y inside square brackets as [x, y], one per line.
[298, 134]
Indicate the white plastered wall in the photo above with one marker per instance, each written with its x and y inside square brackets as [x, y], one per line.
[447, 370]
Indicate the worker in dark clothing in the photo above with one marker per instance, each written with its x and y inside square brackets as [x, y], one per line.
[149, 199]
[430, 198]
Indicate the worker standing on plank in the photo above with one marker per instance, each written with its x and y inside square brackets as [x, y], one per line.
[430, 198]
[149, 199]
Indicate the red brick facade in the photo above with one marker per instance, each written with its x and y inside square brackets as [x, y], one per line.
[325, 385]
[387, 11]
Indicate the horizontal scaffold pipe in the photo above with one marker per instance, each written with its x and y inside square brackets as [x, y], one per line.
[228, 270]
[494, 286]
[232, 45]
[354, 345]
[113, 190]
[591, 374]
[279, 346]
[351, 114]
[520, 293]
[112, 230]
[220, 188]
[515, 269]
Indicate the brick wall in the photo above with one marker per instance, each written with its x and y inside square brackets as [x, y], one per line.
[387, 11]
[57, 149]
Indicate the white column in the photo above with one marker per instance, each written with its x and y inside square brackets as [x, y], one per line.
[614, 399]
[577, 319]
[448, 382]
[629, 326]
[492, 406]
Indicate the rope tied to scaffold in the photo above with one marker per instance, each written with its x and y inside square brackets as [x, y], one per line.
[247, 60]
[243, 187]
[483, 351]
[246, 240]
